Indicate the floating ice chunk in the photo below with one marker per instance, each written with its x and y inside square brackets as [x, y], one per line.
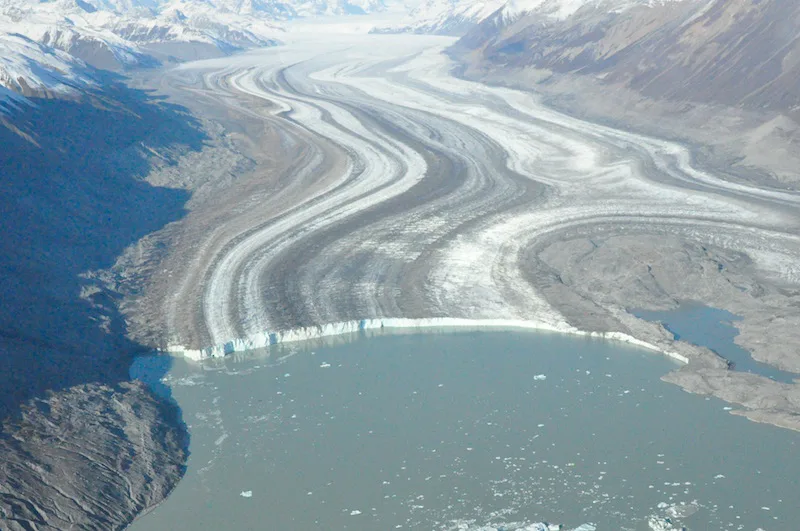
[355, 512]
[325, 365]
[683, 510]
[246, 494]
[540, 377]
[539, 526]
[657, 523]
[471, 525]
[719, 476]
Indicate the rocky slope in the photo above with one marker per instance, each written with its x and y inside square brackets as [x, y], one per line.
[721, 73]
[95, 456]
[740, 52]
[82, 447]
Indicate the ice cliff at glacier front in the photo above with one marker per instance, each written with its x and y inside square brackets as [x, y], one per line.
[268, 338]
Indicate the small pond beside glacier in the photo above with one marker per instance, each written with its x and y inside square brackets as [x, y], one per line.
[713, 328]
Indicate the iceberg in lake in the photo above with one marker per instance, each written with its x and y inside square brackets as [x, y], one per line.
[656, 523]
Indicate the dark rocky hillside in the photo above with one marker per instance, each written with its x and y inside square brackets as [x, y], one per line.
[73, 197]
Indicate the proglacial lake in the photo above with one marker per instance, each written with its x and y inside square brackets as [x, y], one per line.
[466, 431]
[713, 328]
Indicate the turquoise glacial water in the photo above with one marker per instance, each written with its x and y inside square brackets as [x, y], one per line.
[713, 328]
[466, 431]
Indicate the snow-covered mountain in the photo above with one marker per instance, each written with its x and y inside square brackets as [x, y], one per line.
[457, 17]
[125, 34]
[309, 8]
[31, 69]
[445, 17]
[117, 34]
[190, 29]
[72, 26]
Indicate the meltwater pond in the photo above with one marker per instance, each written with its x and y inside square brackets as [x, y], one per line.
[712, 328]
[466, 430]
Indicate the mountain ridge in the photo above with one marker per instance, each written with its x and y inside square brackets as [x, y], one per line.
[121, 35]
[720, 75]
[739, 52]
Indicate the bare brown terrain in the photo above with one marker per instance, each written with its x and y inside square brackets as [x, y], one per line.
[721, 74]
